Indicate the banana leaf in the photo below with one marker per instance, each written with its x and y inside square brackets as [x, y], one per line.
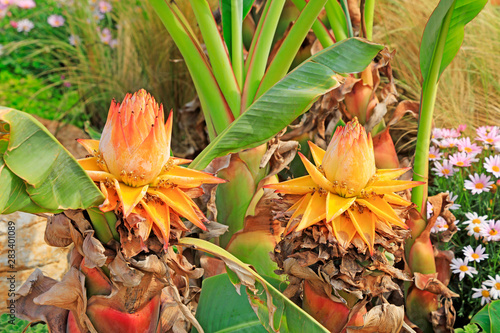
[289, 98]
[37, 174]
[275, 311]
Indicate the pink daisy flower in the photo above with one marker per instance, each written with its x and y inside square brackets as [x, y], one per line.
[461, 267]
[55, 21]
[444, 170]
[448, 143]
[492, 165]
[490, 138]
[434, 154]
[25, 25]
[26, 4]
[462, 159]
[491, 231]
[440, 225]
[437, 133]
[478, 184]
[483, 130]
[105, 7]
[465, 145]
[475, 255]
[461, 127]
[106, 36]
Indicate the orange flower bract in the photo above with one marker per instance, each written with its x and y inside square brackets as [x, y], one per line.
[345, 189]
[135, 171]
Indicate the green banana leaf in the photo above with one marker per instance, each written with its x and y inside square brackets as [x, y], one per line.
[442, 38]
[489, 317]
[275, 311]
[37, 174]
[226, 7]
[448, 34]
[289, 98]
[221, 309]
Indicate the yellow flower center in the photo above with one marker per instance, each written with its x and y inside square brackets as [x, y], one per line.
[460, 163]
[477, 229]
[446, 171]
[493, 232]
[489, 140]
[475, 256]
[468, 149]
[452, 145]
[432, 156]
[497, 286]
[495, 168]
[464, 268]
[485, 293]
[476, 221]
[479, 186]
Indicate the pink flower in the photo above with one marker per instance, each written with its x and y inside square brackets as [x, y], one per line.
[462, 159]
[491, 137]
[13, 24]
[483, 130]
[478, 184]
[465, 145]
[25, 25]
[492, 165]
[475, 255]
[74, 40]
[26, 4]
[448, 143]
[491, 231]
[55, 21]
[434, 154]
[462, 127]
[104, 7]
[106, 36]
[444, 170]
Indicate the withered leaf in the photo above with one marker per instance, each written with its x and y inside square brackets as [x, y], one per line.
[57, 232]
[26, 309]
[93, 251]
[69, 294]
[385, 318]
[123, 273]
[431, 283]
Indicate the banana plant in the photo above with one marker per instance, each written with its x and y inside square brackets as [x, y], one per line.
[233, 82]
[441, 41]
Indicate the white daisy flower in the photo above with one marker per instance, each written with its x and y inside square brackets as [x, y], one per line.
[492, 165]
[482, 292]
[475, 255]
[453, 199]
[25, 25]
[494, 283]
[461, 267]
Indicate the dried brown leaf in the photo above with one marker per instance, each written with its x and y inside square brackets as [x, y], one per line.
[385, 318]
[26, 309]
[122, 272]
[431, 283]
[69, 294]
[57, 232]
[93, 251]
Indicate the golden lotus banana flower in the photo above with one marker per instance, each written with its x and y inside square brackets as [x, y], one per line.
[345, 189]
[135, 171]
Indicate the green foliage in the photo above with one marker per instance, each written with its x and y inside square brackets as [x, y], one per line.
[289, 98]
[471, 328]
[234, 314]
[275, 311]
[41, 97]
[19, 325]
[38, 174]
[489, 317]
[442, 38]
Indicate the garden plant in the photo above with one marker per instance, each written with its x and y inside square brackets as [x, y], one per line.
[350, 242]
